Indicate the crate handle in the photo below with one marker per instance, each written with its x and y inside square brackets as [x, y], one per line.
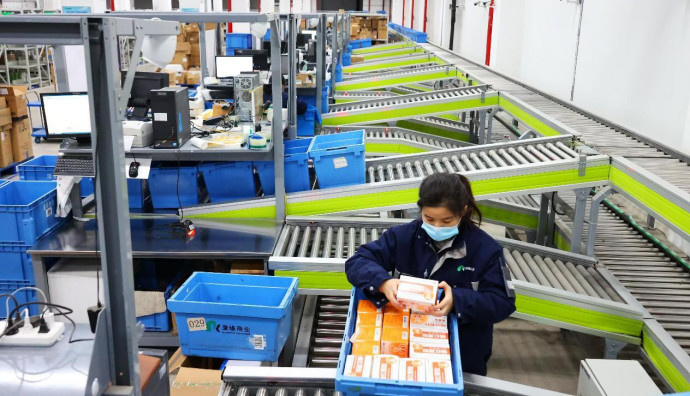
[336, 148]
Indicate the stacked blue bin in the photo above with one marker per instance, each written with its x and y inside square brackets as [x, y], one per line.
[173, 186]
[235, 41]
[228, 181]
[296, 167]
[339, 159]
[347, 58]
[308, 122]
[311, 99]
[27, 212]
[150, 282]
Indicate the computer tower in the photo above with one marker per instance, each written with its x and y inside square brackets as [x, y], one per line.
[170, 108]
[248, 95]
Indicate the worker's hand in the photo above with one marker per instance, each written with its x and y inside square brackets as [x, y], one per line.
[390, 289]
[444, 306]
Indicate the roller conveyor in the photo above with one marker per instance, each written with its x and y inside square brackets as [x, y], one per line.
[356, 96]
[379, 138]
[438, 126]
[411, 106]
[501, 169]
[392, 54]
[399, 77]
[414, 60]
[384, 47]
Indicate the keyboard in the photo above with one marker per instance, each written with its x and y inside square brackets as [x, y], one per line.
[74, 165]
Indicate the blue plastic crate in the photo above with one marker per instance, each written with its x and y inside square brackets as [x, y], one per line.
[308, 122]
[338, 73]
[15, 263]
[40, 168]
[136, 193]
[234, 316]
[27, 210]
[311, 99]
[86, 186]
[339, 159]
[238, 41]
[296, 168]
[160, 321]
[23, 296]
[228, 181]
[347, 59]
[419, 37]
[171, 187]
[372, 386]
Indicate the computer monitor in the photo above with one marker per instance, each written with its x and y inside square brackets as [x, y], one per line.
[302, 40]
[259, 57]
[311, 33]
[231, 66]
[283, 47]
[144, 82]
[311, 52]
[67, 114]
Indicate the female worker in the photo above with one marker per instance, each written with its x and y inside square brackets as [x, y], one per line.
[447, 245]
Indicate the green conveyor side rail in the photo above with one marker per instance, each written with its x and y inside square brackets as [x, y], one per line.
[403, 79]
[363, 67]
[392, 54]
[528, 119]
[392, 148]
[379, 48]
[674, 377]
[431, 130]
[507, 216]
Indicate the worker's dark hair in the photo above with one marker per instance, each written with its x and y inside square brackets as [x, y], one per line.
[452, 191]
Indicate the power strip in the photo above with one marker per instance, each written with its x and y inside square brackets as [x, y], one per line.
[29, 335]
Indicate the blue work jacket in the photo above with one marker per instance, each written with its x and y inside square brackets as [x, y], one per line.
[474, 267]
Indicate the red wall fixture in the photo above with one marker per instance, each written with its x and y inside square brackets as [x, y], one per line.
[489, 30]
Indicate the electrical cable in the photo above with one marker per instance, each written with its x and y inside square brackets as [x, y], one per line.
[16, 303]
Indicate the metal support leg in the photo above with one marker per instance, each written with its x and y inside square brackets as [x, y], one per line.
[320, 59]
[542, 224]
[277, 122]
[481, 132]
[490, 127]
[551, 223]
[594, 218]
[59, 60]
[292, 86]
[650, 221]
[581, 195]
[202, 51]
[612, 348]
[334, 52]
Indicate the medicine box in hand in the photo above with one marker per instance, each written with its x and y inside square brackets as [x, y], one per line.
[416, 293]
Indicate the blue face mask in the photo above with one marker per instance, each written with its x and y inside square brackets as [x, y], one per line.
[440, 233]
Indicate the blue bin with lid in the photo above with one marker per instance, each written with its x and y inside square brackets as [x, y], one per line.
[39, 168]
[27, 210]
[373, 386]
[339, 159]
[173, 186]
[22, 296]
[233, 316]
[296, 168]
[228, 181]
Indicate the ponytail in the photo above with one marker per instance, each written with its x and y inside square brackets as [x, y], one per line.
[452, 191]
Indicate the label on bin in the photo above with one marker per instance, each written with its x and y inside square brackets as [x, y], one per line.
[49, 211]
[259, 342]
[340, 162]
[196, 324]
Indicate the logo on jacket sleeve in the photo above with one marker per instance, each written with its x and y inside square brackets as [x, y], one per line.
[463, 268]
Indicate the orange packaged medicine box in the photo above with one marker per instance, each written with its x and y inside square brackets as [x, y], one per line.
[439, 371]
[427, 335]
[412, 370]
[420, 350]
[366, 340]
[417, 293]
[395, 341]
[367, 306]
[358, 366]
[434, 322]
[369, 319]
[401, 321]
[391, 309]
[385, 367]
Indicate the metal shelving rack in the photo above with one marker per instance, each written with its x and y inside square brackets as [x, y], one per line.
[37, 69]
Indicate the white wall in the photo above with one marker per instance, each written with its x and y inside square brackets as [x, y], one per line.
[397, 8]
[633, 62]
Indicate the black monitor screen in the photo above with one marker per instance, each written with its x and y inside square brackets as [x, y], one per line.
[283, 47]
[302, 39]
[144, 82]
[259, 57]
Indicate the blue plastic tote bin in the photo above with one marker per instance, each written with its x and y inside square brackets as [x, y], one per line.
[308, 122]
[373, 386]
[296, 168]
[347, 59]
[231, 316]
[310, 100]
[419, 37]
[159, 321]
[338, 73]
[136, 193]
[23, 296]
[86, 186]
[15, 263]
[40, 168]
[27, 210]
[235, 41]
[166, 182]
[228, 181]
[339, 159]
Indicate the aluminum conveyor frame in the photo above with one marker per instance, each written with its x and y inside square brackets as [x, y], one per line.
[545, 165]
[315, 250]
[397, 53]
[397, 78]
[414, 60]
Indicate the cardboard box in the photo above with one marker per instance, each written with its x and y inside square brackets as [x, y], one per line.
[15, 95]
[429, 321]
[366, 340]
[3, 103]
[22, 143]
[369, 319]
[354, 29]
[194, 61]
[385, 367]
[420, 350]
[358, 366]
[439, 371]
[5, 147]
[196, 382]
[417, 293]
[194, 77]
[184, 47]
[221, 109]
[194, 50]
[381, 24]
[357, 58]
[412, 370]
[303, 24]
[395, 341]
[180, 58]
[429, 336]
[5, 116]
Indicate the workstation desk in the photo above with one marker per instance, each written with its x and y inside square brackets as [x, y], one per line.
[152, 238]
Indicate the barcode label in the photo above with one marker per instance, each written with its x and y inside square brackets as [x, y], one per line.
[49, 211]
[259, 342]
[196, 324]
[340, 162]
